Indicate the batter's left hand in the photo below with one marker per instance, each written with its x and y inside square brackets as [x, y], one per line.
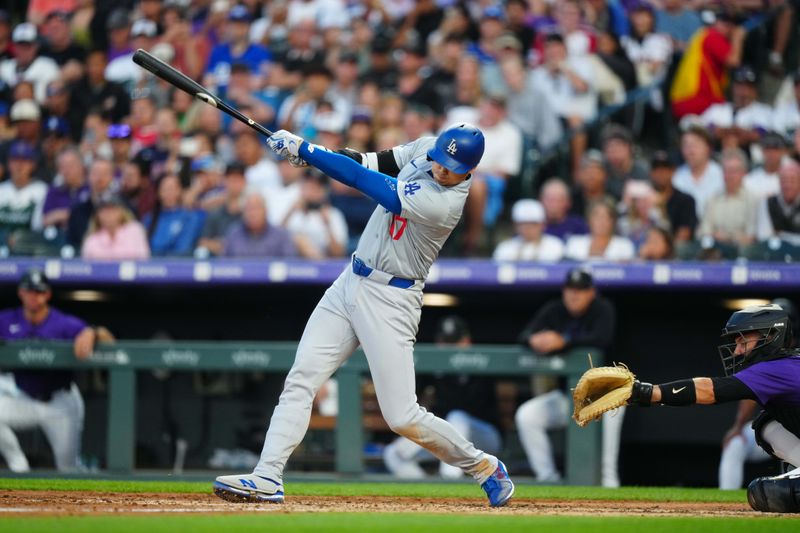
[285, 144]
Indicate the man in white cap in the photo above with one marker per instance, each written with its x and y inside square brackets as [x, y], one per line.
[530, 243]
[28, 64]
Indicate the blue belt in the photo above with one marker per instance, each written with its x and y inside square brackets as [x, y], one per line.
[361, 269]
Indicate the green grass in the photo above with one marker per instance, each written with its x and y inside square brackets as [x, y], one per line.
[419, 490]
[389, 523]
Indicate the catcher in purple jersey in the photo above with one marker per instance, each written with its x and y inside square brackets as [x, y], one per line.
[759, 365]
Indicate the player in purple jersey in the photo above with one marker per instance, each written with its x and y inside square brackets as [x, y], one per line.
[41, 398]
[759, 365]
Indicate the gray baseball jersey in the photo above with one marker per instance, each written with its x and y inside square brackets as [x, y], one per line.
[406, 245]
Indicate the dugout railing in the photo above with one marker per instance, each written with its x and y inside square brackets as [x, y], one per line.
[124, 359]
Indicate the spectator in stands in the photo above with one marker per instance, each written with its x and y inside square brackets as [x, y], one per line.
[763, 181]
[740, 122]
[55, 139]
[700, 176]
[319, 229]
[120, 137]
[219, 220]
[114, 233]
[658, 245]
[26, 117]
[728, 224]
[676, 19]
[206, 190]
[566, 81]
[607, 16]
[677, 206]
[27, 63]
[122, 69]
[779, 218]
[527, 107]
[530, 242]
[786, 118]
[298, 110]
[581, 317]
[253, 236]
[621, 162]
[418, 121]
[614, 71]
[559, 221]
[491, 26]
[118, 28]
[579, 38]
[413, 84]
[701, 75]
[21, 196]
[601, 243]
[241, 92]
[47, 399]
[467, 83]
[101, 179]
[94, 92]
[590, 182]
[260, 170]
[501, 161]
[382, 70]
[639, 212]
[517, 22]
[56, 103]
[469, 402]
[72, 189]
[236, 48]
[136, 187]
[172, 229]
[61, 47]
[191, 48]
[649, 50]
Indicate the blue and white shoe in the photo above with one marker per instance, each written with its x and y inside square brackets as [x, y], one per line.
[499, 487]
[248, 488]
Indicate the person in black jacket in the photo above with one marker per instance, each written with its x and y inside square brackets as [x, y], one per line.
[581, 317]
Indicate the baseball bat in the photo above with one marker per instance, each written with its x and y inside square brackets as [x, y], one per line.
[166, 72]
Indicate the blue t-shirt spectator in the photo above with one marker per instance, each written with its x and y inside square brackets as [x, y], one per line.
[680, 24]
[222, 58]
[176, 231]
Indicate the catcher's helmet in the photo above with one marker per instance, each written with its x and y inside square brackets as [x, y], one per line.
[459, 148]
[770, 321]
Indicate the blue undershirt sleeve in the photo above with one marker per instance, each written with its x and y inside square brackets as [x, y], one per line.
[379, 187]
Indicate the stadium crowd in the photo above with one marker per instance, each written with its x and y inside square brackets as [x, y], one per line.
[615, 129]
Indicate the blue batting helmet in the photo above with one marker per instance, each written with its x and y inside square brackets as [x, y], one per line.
[459, 148]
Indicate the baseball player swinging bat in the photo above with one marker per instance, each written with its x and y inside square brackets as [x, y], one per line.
[183, 82]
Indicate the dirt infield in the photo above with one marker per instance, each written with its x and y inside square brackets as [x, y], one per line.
[40, 503]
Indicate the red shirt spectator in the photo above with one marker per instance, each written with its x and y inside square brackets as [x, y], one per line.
[702, 74]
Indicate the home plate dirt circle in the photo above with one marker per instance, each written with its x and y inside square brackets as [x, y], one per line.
[37, 503]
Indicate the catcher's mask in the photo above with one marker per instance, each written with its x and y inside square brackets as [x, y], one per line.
[775, 333]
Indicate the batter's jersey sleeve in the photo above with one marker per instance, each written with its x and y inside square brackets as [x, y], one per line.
[404, 153]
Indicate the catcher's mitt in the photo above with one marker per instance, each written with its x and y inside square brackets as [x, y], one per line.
[601, 389]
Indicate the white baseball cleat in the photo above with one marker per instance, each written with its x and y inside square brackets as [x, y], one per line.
[248, 488]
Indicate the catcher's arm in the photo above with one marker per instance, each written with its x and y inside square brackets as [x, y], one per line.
[704, 391]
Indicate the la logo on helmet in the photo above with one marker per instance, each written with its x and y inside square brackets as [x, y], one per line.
[452, 148]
